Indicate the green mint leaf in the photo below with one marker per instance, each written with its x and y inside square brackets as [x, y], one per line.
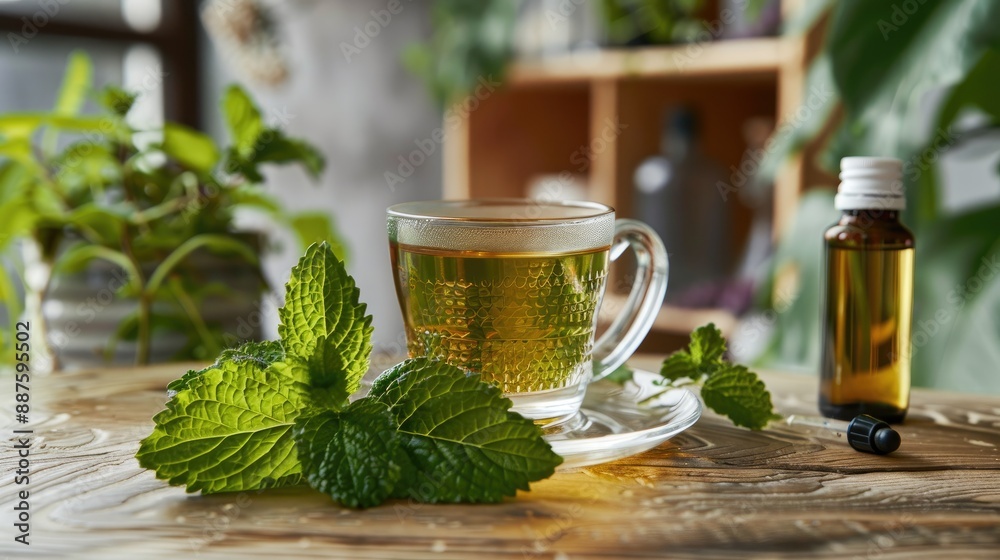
[275, 147]
[679, 365]
[736, 392]
[243, 120]
[464, 442]
[263, 353]
[190, 147]
[702, 358]
[323, 323]
[707, 345]
[116, 100]
[354, 455]
[230, 428]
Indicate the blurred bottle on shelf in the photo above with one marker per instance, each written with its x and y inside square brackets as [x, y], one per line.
[676, 194]
[759, 197]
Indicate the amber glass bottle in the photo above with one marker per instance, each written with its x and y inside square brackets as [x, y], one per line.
[865, 367]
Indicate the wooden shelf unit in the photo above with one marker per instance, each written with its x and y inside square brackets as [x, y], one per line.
[560, 113]
[723, 59]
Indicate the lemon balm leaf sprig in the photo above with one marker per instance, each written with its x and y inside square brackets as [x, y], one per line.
[729, 389]
[280, 413]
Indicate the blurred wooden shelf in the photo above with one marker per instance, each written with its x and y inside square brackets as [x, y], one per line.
[724, 59]
[597, 116]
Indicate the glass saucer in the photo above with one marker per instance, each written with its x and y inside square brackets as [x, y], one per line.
[612, 424]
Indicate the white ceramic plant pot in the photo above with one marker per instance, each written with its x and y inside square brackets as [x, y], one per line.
[83, 311]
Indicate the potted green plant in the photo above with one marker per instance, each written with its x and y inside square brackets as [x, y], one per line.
[127, 241]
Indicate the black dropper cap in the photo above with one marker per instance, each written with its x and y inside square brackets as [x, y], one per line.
[872, 435]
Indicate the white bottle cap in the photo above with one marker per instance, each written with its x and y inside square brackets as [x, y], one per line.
[870, 183]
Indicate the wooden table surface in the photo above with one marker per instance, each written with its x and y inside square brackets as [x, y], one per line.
[713, 491]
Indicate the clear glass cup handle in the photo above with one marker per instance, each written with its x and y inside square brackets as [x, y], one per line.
[628, 329]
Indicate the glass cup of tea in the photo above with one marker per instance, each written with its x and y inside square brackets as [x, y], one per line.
[510, 289]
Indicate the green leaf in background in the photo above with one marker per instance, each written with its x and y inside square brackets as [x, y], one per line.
[86, 167]
[354, 455]
[19, 150]
[263, 354]
[75, 85]
[19, 125]
[878, 50]
[465, 444]
[103, 225]
[77, 256]
[190, 147]
[957, 303]
[317, 227]
[23, 125]
[323, 322]
[251, 196]
[213, 242]
[656, 21]
[737, 393]
[979, 91]
[72, 95]
[278, 148]
[17, 213]
[472, 41]
[243, 119]
[116, 100]
[230, 429]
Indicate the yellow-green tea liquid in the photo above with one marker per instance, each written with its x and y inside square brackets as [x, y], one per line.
[525, 322]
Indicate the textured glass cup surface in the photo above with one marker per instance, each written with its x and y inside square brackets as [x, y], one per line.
[508, 289]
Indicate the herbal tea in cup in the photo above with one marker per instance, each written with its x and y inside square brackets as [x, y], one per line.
[510, 289]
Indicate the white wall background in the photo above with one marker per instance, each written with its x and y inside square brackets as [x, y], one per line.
[362, 115]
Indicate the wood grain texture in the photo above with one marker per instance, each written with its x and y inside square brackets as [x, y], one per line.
[713, 491]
